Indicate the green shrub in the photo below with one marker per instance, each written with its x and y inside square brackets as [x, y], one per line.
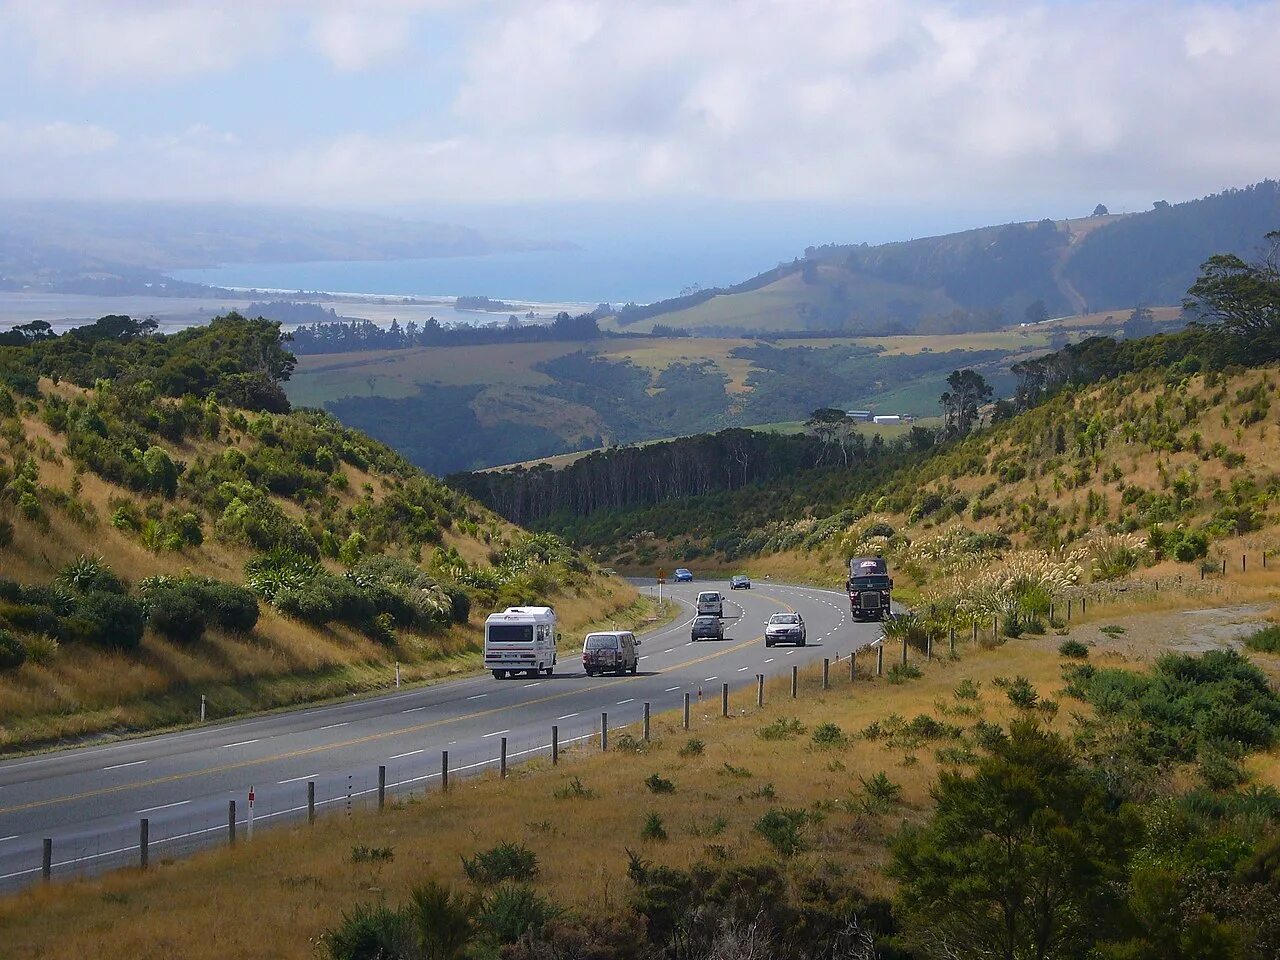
[1266, 640]
[106, 620]
[176, 613]
[829, 735]
[654, 828]
[12, 653]
[879, 793]
[659, 784]
[369, 932]
[902, 672]
[574, 789]
[784, 728]
[1022, 694]
[1073, 649]
[966, 689]
[506, 861]
[784, 829]
[693, 747]
[510, 913]
[42, 649]
[87, 574]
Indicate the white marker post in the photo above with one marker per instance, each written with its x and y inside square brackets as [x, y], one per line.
[250, 824]
[202, 708]
[397, 674]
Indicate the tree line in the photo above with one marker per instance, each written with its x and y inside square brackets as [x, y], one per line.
[635, 476]
[348, 336]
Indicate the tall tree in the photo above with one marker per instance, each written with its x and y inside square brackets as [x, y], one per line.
[1018, 859]
[969, 391]
[1242, 297]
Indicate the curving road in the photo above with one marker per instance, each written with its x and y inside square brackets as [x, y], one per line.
[89, 800]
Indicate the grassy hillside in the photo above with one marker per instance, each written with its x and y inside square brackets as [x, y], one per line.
[470, 407]
[985, 278]
[134, 512]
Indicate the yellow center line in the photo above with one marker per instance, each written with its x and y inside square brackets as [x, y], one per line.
[356, 741]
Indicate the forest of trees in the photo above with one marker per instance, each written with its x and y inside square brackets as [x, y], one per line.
[347, 336]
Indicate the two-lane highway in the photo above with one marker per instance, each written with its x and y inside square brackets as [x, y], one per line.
[89, 800]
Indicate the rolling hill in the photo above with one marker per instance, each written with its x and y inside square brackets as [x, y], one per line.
[169, 529]
[471, 407]
[982, 279]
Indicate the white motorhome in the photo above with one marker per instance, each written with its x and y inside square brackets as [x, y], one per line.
[520, 639]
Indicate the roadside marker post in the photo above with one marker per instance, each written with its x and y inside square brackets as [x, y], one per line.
[759, 689]
[953, 640]
[444, 771]
[646, 721]
[604, 731]
[555, 742]
[144, 843]
[880, 659]
[249, 825]
[502, 761]
[826, 673]
[724, 699]
[795, 681]
[231, 823]
[46, 860]
[311, 801]
[853, 667]
[397, 674]
[686, 711]
[382, 787]
[202, 702]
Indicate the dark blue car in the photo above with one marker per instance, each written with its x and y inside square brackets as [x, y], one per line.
[683, 575]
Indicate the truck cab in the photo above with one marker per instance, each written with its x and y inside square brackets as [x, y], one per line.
[521, 640]
[870, 588]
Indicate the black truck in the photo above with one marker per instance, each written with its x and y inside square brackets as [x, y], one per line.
[869, 588]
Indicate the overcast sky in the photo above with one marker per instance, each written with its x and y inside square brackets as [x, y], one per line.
[425, 105]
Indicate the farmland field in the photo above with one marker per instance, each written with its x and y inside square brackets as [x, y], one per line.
[473, 407]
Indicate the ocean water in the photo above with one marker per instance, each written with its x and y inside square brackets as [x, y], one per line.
[591, 274]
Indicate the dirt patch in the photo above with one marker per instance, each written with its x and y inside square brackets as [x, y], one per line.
[1146, 636]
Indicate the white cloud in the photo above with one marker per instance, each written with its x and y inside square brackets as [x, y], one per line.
[879, 101]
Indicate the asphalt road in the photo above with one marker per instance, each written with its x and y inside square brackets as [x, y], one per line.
[89, 801]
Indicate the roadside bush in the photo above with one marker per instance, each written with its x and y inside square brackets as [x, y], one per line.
[784, 728]
[653, 829]
[369, 932]
[784, 829]
[1073, 649]
[12, 653]
[902, 672]
[692, 748]
[42, 649]
[1266, 640]
[176, 613]
[659, 784]
[879, 793]
[829, 735]
[510, 913]
[506, 861]
[106, 620]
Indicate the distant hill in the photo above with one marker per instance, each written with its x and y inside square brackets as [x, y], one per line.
[985, 278]
[66, 245]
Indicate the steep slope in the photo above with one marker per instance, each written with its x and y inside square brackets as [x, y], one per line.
[136, 504]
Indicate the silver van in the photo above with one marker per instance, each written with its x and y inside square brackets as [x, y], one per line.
[613, 651]
[710, 604]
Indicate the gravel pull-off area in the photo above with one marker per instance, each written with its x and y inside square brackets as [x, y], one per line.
[1144, 636]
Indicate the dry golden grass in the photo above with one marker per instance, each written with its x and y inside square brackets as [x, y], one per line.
[87, 691]
[269, 898]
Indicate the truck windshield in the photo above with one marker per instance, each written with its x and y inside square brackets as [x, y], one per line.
[870, 583]
[602, 643]
[511, 632]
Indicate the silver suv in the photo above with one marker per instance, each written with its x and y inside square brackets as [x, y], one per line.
[785, 628]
